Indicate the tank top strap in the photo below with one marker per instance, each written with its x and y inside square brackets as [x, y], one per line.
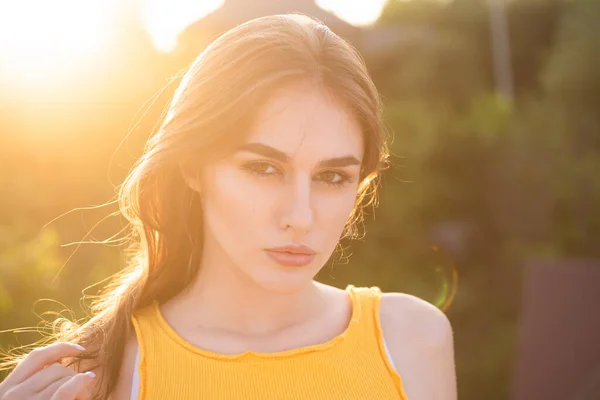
[369, 334]
[149, 339]
[366, 302]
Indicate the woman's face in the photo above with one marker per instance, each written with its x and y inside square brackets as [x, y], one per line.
[292, 183]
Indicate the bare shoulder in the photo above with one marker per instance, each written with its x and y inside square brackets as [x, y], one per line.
[420, 340]
[405, 314]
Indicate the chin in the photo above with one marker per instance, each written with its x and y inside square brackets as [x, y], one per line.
[285, 282]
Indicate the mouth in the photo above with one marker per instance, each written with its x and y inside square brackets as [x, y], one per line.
[292, 256]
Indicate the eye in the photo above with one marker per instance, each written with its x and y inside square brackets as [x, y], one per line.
[261, 168]
[333, 178]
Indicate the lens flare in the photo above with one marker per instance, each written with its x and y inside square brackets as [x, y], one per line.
[449, 287]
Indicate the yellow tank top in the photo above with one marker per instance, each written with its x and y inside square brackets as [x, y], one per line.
[351, 366]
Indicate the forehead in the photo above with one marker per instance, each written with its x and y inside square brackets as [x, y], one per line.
[307, 124]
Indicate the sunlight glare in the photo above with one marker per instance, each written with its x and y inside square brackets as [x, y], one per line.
[165, 19]
[356, 12]
[40, 36]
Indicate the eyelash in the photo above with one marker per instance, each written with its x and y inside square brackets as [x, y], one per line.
[251, 168]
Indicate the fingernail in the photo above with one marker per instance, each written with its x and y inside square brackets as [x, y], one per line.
[90, 374]
[78, 347]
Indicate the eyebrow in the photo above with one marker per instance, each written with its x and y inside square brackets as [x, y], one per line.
[271, 152]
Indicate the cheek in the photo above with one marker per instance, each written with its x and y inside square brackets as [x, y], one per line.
[334, 211]
[232, 206]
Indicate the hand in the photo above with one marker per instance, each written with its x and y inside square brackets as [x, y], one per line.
[40, 376]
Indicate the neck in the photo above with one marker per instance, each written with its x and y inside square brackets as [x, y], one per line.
[221, 297]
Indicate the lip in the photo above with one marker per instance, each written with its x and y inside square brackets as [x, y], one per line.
[292, 255]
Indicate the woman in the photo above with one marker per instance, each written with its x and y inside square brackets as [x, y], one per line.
[272, 145]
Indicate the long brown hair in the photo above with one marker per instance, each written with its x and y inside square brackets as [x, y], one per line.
[213, 106]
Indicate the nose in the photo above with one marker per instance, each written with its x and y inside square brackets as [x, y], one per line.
[297, 209]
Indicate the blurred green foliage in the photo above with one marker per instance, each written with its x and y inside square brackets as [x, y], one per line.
[479, 184]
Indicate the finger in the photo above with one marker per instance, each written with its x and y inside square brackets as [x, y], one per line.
[52, 388]
[48, 375]
[31, 388]
[39, 358]
[74, 388]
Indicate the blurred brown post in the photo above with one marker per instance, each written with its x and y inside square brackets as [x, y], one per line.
[559, 349]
